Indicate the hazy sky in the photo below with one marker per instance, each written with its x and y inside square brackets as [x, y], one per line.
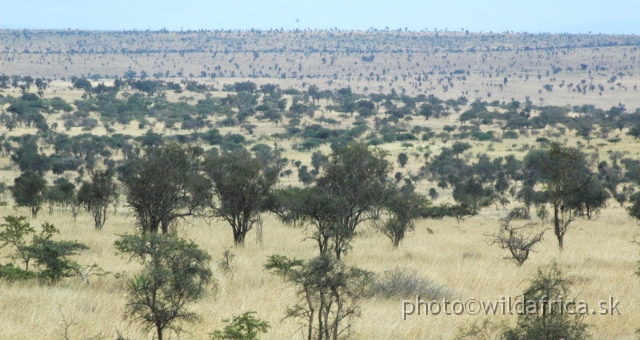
[557, 16]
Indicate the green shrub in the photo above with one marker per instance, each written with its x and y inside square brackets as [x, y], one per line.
[244, 327]
[10, 272]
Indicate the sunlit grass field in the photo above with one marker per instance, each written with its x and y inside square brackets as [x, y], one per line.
[599, 256]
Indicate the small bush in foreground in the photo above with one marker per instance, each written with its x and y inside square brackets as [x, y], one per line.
[244, 327]
[403, 283]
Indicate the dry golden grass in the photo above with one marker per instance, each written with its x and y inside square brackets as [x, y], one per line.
[599, 256]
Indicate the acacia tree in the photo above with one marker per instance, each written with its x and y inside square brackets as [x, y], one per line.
[328, 293]
[401, 209]
[98, 195]
[518, 240]
[545, 313]
[634, 209]
[562, 171]
[242, 185]
[310, 206]
[590, 197]
[357, 177]
[61, 193]
[176, 272]
[402, 159]
[166, 184]
[550, 320]
[29, 191]
[352, 189]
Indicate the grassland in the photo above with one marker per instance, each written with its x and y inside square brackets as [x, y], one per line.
[445, 64]
[599, 256]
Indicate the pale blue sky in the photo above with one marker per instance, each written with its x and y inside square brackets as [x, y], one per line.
[556, 16]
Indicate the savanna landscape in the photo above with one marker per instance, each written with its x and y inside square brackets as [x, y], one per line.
[308, 184]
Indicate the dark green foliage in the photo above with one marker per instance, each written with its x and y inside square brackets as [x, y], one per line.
[485, 170]
[62, 193]
[98, 195]
[10, 272]
[549, 321]
[213, 137]
[328, 294]
[29, 190]
[482, 136]
[14, 231]
[232, 142]
[477, 110]
[403, 159]
[242, 185]
[401, 210]
[590, 197]
[405, 137]
[551, 115]
[28, 158]
[147, 86]
[632, 167]
[562, 172]
[314, 206]
[448, 168]
[469, 193]
[165, 185]
[433, 194]
[28, 110]
[511, 134]
[304, 175]
[60, 164]
[175, 273]
[50, 257]
[318, 159]
[81, 83]
[244, 327]
[247, 86]
[353, 188]
[459, 211]
[360, 176]
[634, 209]
[634, 131]
[151, 139]
[459, 147]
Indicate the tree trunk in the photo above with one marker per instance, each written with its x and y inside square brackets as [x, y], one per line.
[238, 237]
[556, 225]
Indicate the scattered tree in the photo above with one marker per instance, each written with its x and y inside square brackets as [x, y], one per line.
[548, 320]
[166, 185]
[518, 240]
[176, 273]
[98, 195]
[359, 177]
[401, 210]
[242, 185]
[29, 191]
[402, 159]
[328, 293]
[562, 171]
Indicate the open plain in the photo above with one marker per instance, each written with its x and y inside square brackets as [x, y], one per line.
[600, 255]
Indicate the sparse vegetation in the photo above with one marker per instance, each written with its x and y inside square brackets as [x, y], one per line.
[302, 135]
